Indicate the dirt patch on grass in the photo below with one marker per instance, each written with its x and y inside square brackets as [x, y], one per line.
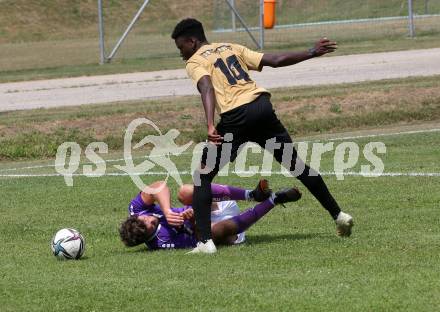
[351, 104]
[182, 119]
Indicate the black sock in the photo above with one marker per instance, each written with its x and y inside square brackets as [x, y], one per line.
[202, 200]
[310, 178]
[315, 184]
[251, 195]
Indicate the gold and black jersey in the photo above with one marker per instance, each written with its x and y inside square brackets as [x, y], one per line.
[228, 66]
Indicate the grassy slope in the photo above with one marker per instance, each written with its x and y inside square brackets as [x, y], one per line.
[62, 41]
[304, 110]
[292, 260]
[54, 20]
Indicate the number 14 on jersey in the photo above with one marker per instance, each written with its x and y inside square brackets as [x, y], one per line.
[232, 69]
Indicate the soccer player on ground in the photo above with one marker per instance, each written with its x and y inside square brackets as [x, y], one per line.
[147, 222]
[221, 72]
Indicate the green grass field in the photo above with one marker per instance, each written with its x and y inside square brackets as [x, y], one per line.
[292, 260]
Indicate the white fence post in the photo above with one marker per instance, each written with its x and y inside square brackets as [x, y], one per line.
[243, 23]
[101, 33]
[234, 24]
[411, 19]
[261, 24]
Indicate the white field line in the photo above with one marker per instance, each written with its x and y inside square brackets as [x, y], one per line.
[380, 135]
[246, 173]
[187, 153]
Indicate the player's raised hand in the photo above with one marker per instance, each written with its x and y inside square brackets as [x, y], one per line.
[213, 136]
[188, 214]
[323, 46]
[173, 218]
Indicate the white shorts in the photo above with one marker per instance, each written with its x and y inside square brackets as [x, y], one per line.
[227, 210]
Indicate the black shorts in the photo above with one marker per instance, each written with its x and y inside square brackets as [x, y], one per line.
[252, 122]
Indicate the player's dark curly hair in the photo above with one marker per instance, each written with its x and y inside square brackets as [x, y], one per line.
[133, 232]
[189, 27]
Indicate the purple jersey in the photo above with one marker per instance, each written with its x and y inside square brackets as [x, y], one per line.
[137, 207]
[170, 237]
[166, 236]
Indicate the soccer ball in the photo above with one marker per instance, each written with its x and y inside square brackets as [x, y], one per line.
[68, 244]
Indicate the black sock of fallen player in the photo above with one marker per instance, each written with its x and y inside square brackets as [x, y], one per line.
[202, 201]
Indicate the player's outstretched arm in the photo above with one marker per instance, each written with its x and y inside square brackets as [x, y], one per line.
[321, 47]
[207, 92]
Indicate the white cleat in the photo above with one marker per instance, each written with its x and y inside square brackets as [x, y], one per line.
[344, 223]
[207, 248]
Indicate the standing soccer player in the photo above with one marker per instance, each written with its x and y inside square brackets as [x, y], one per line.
[221, 72]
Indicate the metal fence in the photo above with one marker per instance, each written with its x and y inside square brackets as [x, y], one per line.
[353, 21]
[69, 32]
[297, 23]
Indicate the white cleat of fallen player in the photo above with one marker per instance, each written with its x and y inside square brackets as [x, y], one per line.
[207, 248]
[344, 223]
